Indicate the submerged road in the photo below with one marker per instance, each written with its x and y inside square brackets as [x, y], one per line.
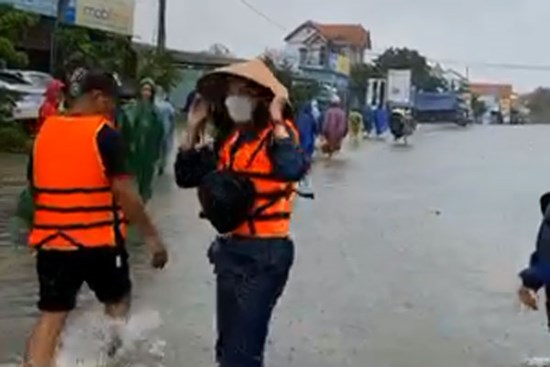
[407, 258]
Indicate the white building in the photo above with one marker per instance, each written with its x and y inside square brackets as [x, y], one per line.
[317, 44]
[455, 81]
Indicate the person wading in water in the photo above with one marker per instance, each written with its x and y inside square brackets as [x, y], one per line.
[246, 186]
[83, 197]
[143, 133]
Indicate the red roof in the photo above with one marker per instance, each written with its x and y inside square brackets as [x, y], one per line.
[351, 34]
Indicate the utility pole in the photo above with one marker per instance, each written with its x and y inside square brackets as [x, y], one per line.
[61, 9]
[161, 31]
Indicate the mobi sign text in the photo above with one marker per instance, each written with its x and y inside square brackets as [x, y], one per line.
[98, 13]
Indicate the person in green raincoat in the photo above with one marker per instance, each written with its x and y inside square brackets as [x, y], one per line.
[142, 128]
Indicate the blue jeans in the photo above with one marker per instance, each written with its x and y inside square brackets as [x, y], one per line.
[251, 275]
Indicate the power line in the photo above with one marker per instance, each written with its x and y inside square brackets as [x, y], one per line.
[526, 67]
[263, 15]
[481, 64]
[508, 66]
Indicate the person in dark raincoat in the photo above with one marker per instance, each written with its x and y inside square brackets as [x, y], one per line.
[143, 133]
[401, 125]
[252, 261]
[537, 274]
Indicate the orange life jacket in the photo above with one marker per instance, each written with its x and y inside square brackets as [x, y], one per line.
[74, 205]
[273, 206]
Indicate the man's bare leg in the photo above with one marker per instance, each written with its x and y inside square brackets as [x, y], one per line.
[119, 313]
[44, 339]
[119, 310]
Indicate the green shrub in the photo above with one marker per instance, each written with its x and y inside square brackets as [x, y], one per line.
[158, 66]
[13, 139]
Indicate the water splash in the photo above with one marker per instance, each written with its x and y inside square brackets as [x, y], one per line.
[537, 362]
[88, 338]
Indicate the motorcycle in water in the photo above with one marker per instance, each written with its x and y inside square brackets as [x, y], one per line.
[402, 125]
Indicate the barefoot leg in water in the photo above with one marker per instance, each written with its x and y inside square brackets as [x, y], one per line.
[44, 339]
[119, 314]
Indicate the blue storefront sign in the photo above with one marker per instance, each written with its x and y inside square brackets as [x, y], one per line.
[43, 7]
[70, 12]
[115, 16]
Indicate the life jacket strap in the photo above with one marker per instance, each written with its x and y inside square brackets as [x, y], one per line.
[75, 190]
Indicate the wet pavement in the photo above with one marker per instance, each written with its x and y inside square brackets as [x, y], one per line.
[407, 258]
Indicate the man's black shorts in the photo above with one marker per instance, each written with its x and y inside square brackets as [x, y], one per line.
[62, 273]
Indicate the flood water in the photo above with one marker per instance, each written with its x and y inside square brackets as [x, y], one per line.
[407, 258]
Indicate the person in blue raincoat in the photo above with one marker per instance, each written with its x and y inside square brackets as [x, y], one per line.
[367, 120]
[307, 128]
[167, 114]
[308, 125]
[537, 274]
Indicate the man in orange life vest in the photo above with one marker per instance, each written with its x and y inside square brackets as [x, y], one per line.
[83, 198]
[246, 186]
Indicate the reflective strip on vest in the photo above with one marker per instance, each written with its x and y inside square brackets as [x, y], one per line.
[270, 217]
[74, 205]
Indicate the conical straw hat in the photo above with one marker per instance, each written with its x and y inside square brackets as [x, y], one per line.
[213, 84]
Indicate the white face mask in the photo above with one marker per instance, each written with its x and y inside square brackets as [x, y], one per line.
[239, 108]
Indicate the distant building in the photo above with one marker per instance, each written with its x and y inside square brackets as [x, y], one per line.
[455, 81]
[316, 42]
[502, 91]
[326, 52]
[497, 98]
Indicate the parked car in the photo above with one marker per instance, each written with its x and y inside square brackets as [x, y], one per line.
[38, 79]
[28, 98]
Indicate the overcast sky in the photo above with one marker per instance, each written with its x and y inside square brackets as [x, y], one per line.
[482, 31]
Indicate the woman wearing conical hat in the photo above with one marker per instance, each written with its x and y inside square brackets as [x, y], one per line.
[246, 184]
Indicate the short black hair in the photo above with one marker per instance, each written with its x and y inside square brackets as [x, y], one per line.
[99, 80]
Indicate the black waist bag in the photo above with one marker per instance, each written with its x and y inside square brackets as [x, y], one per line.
[226, 199]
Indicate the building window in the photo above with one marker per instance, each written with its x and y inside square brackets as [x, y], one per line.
[323, 56]
[303, 56]
[359, 55]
